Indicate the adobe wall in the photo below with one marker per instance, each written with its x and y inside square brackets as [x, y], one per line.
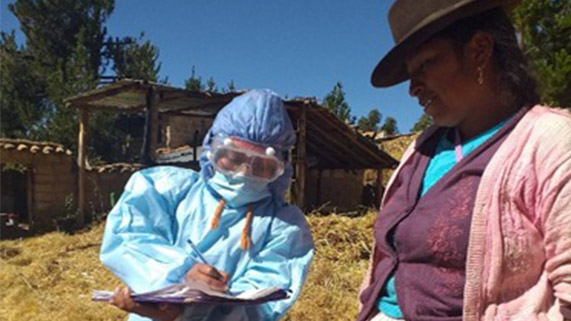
[103, 189]
[180, 130]
[52, 181]
[341, 189]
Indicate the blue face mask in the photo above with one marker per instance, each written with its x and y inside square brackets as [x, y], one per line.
[238, 191]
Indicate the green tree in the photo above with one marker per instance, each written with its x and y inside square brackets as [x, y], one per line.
[134, 58]
[335, 102]
[371, 122]
[231, 86]
[54, 31]
[62, 121]
[22, 103]
[211, 85]
[64, 54]
[194, 82]
[423, 122]
[390, 126]
[545, 34]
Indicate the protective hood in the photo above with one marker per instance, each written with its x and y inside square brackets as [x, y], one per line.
[258, 116]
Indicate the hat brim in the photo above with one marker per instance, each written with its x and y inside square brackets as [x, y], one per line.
[392, 70]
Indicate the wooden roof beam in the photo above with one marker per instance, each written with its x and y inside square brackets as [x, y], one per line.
[83, 101]
[317, 151]
[338, 144]
[381, 159]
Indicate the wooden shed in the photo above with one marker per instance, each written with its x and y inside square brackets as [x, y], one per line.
[37, 180]
[329, 156]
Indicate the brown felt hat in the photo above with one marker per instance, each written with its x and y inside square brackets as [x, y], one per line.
[415, 21]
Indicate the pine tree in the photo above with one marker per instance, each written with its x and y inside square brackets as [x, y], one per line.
[22, 103]
[54, 30]
[423, 122]
[231, 86]
[371, 122]
[134, 58]
[211, 85]
[335, 102]
[390, 126]
[545, 33]
[193, 83]
[64, 54]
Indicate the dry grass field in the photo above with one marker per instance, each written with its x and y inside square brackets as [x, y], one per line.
[50, 277]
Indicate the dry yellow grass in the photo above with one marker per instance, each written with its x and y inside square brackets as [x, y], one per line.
[51, 277]
[394, 147]
[342, 249]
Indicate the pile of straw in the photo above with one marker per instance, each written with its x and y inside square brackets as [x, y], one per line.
[51, 277]
[395, 147]
[342, 250]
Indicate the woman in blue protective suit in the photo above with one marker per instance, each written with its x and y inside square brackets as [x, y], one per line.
[233, 210]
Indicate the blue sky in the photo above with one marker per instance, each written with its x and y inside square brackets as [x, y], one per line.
[296, 48]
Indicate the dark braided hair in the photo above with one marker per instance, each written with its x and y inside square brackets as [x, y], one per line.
[518, 87]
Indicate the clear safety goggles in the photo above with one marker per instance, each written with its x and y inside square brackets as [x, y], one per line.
[233, 156]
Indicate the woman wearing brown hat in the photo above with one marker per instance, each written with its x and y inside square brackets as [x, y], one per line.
[475, 223]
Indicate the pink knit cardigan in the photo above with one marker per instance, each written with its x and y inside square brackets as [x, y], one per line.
[519, 253]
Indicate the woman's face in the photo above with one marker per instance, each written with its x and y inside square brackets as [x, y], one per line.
[442, 82]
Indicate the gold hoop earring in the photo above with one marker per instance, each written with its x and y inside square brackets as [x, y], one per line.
[480, 79]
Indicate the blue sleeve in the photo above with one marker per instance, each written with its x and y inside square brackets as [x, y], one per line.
[284, 261]
[138, 242]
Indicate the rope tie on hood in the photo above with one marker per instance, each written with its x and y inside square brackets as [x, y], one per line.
[245, 241]
[217, 212]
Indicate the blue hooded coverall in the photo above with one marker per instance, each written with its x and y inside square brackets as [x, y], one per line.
[145, 239]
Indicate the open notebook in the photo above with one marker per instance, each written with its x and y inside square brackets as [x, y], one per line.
[198, 292]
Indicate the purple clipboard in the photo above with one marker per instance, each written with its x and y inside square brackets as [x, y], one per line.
[199, 293]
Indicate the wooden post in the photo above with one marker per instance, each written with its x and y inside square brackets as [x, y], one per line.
[380, 188]
[301, 164]
[148, 131]
[30, 195]
[318, 191]
[155, 126]
[81, 157]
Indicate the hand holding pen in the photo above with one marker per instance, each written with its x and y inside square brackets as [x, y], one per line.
[202, 271]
